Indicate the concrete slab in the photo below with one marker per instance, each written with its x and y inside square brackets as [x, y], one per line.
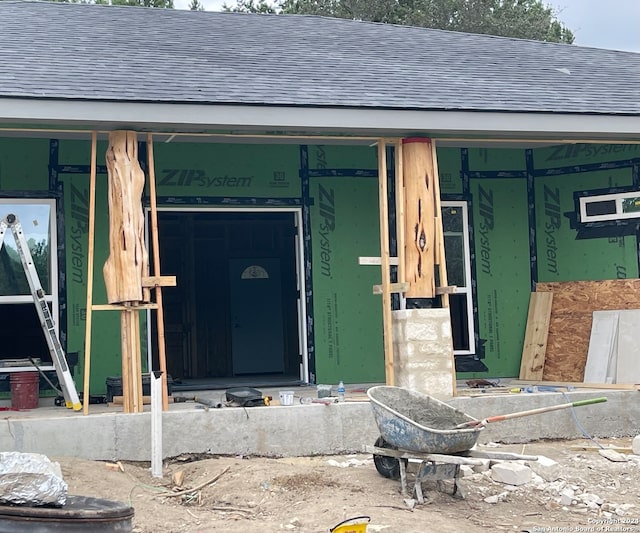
[298, 430]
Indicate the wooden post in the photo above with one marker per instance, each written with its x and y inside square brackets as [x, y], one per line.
[132, 401]
[400, 216]
[136, 363]
[156, 272]
[127, 262]
[440, 253]
[441, 259]
[90, 252]
[125, 336]
[384, 261]
[420, 213]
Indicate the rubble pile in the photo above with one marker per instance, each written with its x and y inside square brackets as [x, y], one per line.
[557, 486]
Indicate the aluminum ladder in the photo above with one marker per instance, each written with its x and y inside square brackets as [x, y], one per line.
[58, 357]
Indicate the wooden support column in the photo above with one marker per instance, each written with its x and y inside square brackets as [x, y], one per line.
[424, 235]
[441, 259]
[127, 263]
[156, 272]
[90, 252]
[400, 215]
[384, 262]
[420, 232]
[136, 361]
[125, 347]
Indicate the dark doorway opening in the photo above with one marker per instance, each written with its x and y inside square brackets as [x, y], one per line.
[233, 316]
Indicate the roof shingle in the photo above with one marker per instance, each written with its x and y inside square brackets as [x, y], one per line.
[97, 52]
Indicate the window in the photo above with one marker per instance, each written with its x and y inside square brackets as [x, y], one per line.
[615, 206]
[17, 309]
[455, 226]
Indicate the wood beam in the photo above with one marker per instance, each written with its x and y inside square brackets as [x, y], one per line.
[159, 281]
[536, 334]
[441, 259]
[162, 358]
[400, 212]
[90, 254]
[384, 256]
[121, 307]
[420, 230]
[376, 260]
[404, 287]
[349, 138]
[393, 287]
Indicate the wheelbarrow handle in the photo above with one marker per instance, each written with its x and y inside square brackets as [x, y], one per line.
[500, 418]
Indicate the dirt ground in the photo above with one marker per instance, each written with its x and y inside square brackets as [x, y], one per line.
[313, 494]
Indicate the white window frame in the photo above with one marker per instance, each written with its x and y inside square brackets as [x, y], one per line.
[467, 289]
[52, 296]
[617, 197]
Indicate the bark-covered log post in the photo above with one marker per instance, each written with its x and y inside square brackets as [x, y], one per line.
[420, 227]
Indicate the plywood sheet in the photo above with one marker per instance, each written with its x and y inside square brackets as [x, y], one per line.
[535, 338]
[571, 316]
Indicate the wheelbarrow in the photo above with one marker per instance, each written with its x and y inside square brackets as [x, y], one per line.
[416, 422]
[412, 422]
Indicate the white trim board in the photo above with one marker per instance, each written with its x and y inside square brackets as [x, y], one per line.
[614, 347]
[181, 117]
[628, 369]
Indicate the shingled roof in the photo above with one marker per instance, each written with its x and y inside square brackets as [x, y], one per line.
[130, 54]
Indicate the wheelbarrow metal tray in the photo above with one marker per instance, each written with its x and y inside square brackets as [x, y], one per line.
[417, 422]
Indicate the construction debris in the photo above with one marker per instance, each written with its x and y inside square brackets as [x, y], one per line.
[613, 455]
[546, 468]
[590, 492]
[511, 473]
[31, 479]
[116, 467]
[635, 445]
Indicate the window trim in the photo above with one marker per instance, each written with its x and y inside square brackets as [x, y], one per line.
[467, 290]
[52, 296]
[617, 198]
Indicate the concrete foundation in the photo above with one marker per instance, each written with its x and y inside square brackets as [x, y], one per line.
[298, 430]
[423, 351]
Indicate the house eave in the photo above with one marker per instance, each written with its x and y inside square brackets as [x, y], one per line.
[175, 118]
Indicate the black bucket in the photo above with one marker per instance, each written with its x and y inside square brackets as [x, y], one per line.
[79, 514]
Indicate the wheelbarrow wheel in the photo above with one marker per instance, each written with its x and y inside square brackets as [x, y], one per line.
[386, 466]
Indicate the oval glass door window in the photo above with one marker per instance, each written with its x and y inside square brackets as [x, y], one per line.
[254, 272]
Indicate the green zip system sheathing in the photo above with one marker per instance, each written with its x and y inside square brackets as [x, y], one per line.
[521, 215]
